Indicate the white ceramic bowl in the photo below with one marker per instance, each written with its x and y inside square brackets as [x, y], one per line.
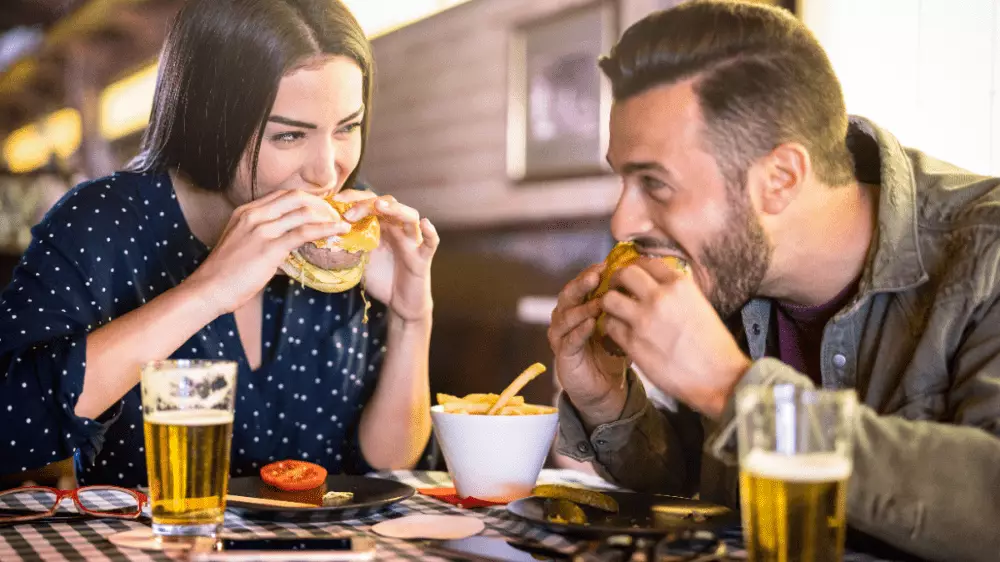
[494, 458]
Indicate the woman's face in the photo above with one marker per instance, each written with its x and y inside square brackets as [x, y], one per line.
[312, 140]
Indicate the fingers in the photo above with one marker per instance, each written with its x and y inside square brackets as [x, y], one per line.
[411, 248]
[566, 321]
[663, 270]
[390, 212]
[622, 307]
[620, 332]
[297, 236]
[568, 335]
[388, 207]
[351, 195]
[576, 340]
[296, 218]
[431, 239]
[412, 255]
[398, 214]
[577, 290]
[635, 281]
[285, 216]
[402, 227]
[632, 318]
[283, 211]
[269, 209]
[361, 209]
[571, 316]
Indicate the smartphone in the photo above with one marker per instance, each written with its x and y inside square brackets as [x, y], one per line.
[488, 549]
[291, 548]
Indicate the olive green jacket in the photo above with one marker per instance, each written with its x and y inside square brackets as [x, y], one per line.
[920, 343]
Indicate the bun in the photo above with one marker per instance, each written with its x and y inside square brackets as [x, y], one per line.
[351, 248]
[622, 255]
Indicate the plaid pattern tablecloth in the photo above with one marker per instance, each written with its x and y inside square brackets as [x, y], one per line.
[86, 539]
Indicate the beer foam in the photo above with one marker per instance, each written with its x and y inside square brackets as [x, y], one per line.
[190, 417]
[810, 467]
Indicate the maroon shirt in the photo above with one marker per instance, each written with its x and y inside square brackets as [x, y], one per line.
[800, 332]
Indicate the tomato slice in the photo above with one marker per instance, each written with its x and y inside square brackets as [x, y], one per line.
[292, 475]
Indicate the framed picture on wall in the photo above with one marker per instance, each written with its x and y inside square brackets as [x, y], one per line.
[558, 101]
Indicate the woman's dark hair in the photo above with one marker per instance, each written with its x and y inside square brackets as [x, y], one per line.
[219, 73]
[761, 77]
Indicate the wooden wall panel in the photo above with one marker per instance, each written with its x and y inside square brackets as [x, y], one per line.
[438, 142]
[438, 139]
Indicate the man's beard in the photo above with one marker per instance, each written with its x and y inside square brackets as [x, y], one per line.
[738, 258]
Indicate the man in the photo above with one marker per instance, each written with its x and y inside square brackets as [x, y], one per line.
[816, 261]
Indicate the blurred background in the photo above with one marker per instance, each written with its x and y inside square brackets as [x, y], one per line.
[490, 118]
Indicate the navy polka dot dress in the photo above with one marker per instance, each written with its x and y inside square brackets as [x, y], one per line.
[113, 244]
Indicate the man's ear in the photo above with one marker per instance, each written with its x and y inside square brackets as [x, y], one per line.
[778, 177]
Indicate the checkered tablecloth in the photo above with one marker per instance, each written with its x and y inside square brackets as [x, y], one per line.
[86, 539]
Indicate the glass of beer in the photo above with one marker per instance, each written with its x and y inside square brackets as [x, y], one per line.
[188, 421]
[795, 448]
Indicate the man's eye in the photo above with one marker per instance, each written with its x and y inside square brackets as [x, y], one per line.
[650, 183]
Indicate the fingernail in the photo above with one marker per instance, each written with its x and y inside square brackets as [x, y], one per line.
[383, 204]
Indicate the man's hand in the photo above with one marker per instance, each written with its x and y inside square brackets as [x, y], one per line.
[591, 378]
[670, 330]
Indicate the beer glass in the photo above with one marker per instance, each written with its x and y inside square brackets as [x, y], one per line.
[795, 448]
[188, 422]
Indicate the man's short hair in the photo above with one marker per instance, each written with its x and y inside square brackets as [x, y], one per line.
[761, 77]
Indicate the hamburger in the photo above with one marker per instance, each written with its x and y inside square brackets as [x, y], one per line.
[335, 264]
[622, 255]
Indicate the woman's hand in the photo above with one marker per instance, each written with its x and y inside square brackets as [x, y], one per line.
[399, 270]
[256, 241]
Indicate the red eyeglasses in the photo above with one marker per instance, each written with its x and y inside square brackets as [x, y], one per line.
[37, 502]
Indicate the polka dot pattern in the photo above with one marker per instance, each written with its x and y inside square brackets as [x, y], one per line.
[113, 244]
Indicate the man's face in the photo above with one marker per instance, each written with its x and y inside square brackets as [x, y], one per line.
[676, 200]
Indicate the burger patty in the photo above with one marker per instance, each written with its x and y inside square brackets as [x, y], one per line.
[327, 258]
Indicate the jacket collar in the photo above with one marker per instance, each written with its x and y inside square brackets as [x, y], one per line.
[895, 262]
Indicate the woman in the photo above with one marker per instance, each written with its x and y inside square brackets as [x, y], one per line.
[261, 109]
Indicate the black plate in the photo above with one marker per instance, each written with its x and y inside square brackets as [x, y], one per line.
[634, 517]
[370, 495]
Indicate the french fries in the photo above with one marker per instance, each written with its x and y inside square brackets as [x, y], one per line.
[481, 409]
[506, 404]
[513, 388]
[487, 399]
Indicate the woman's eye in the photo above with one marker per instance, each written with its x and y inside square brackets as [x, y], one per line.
[351, 127]
[288, 137]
